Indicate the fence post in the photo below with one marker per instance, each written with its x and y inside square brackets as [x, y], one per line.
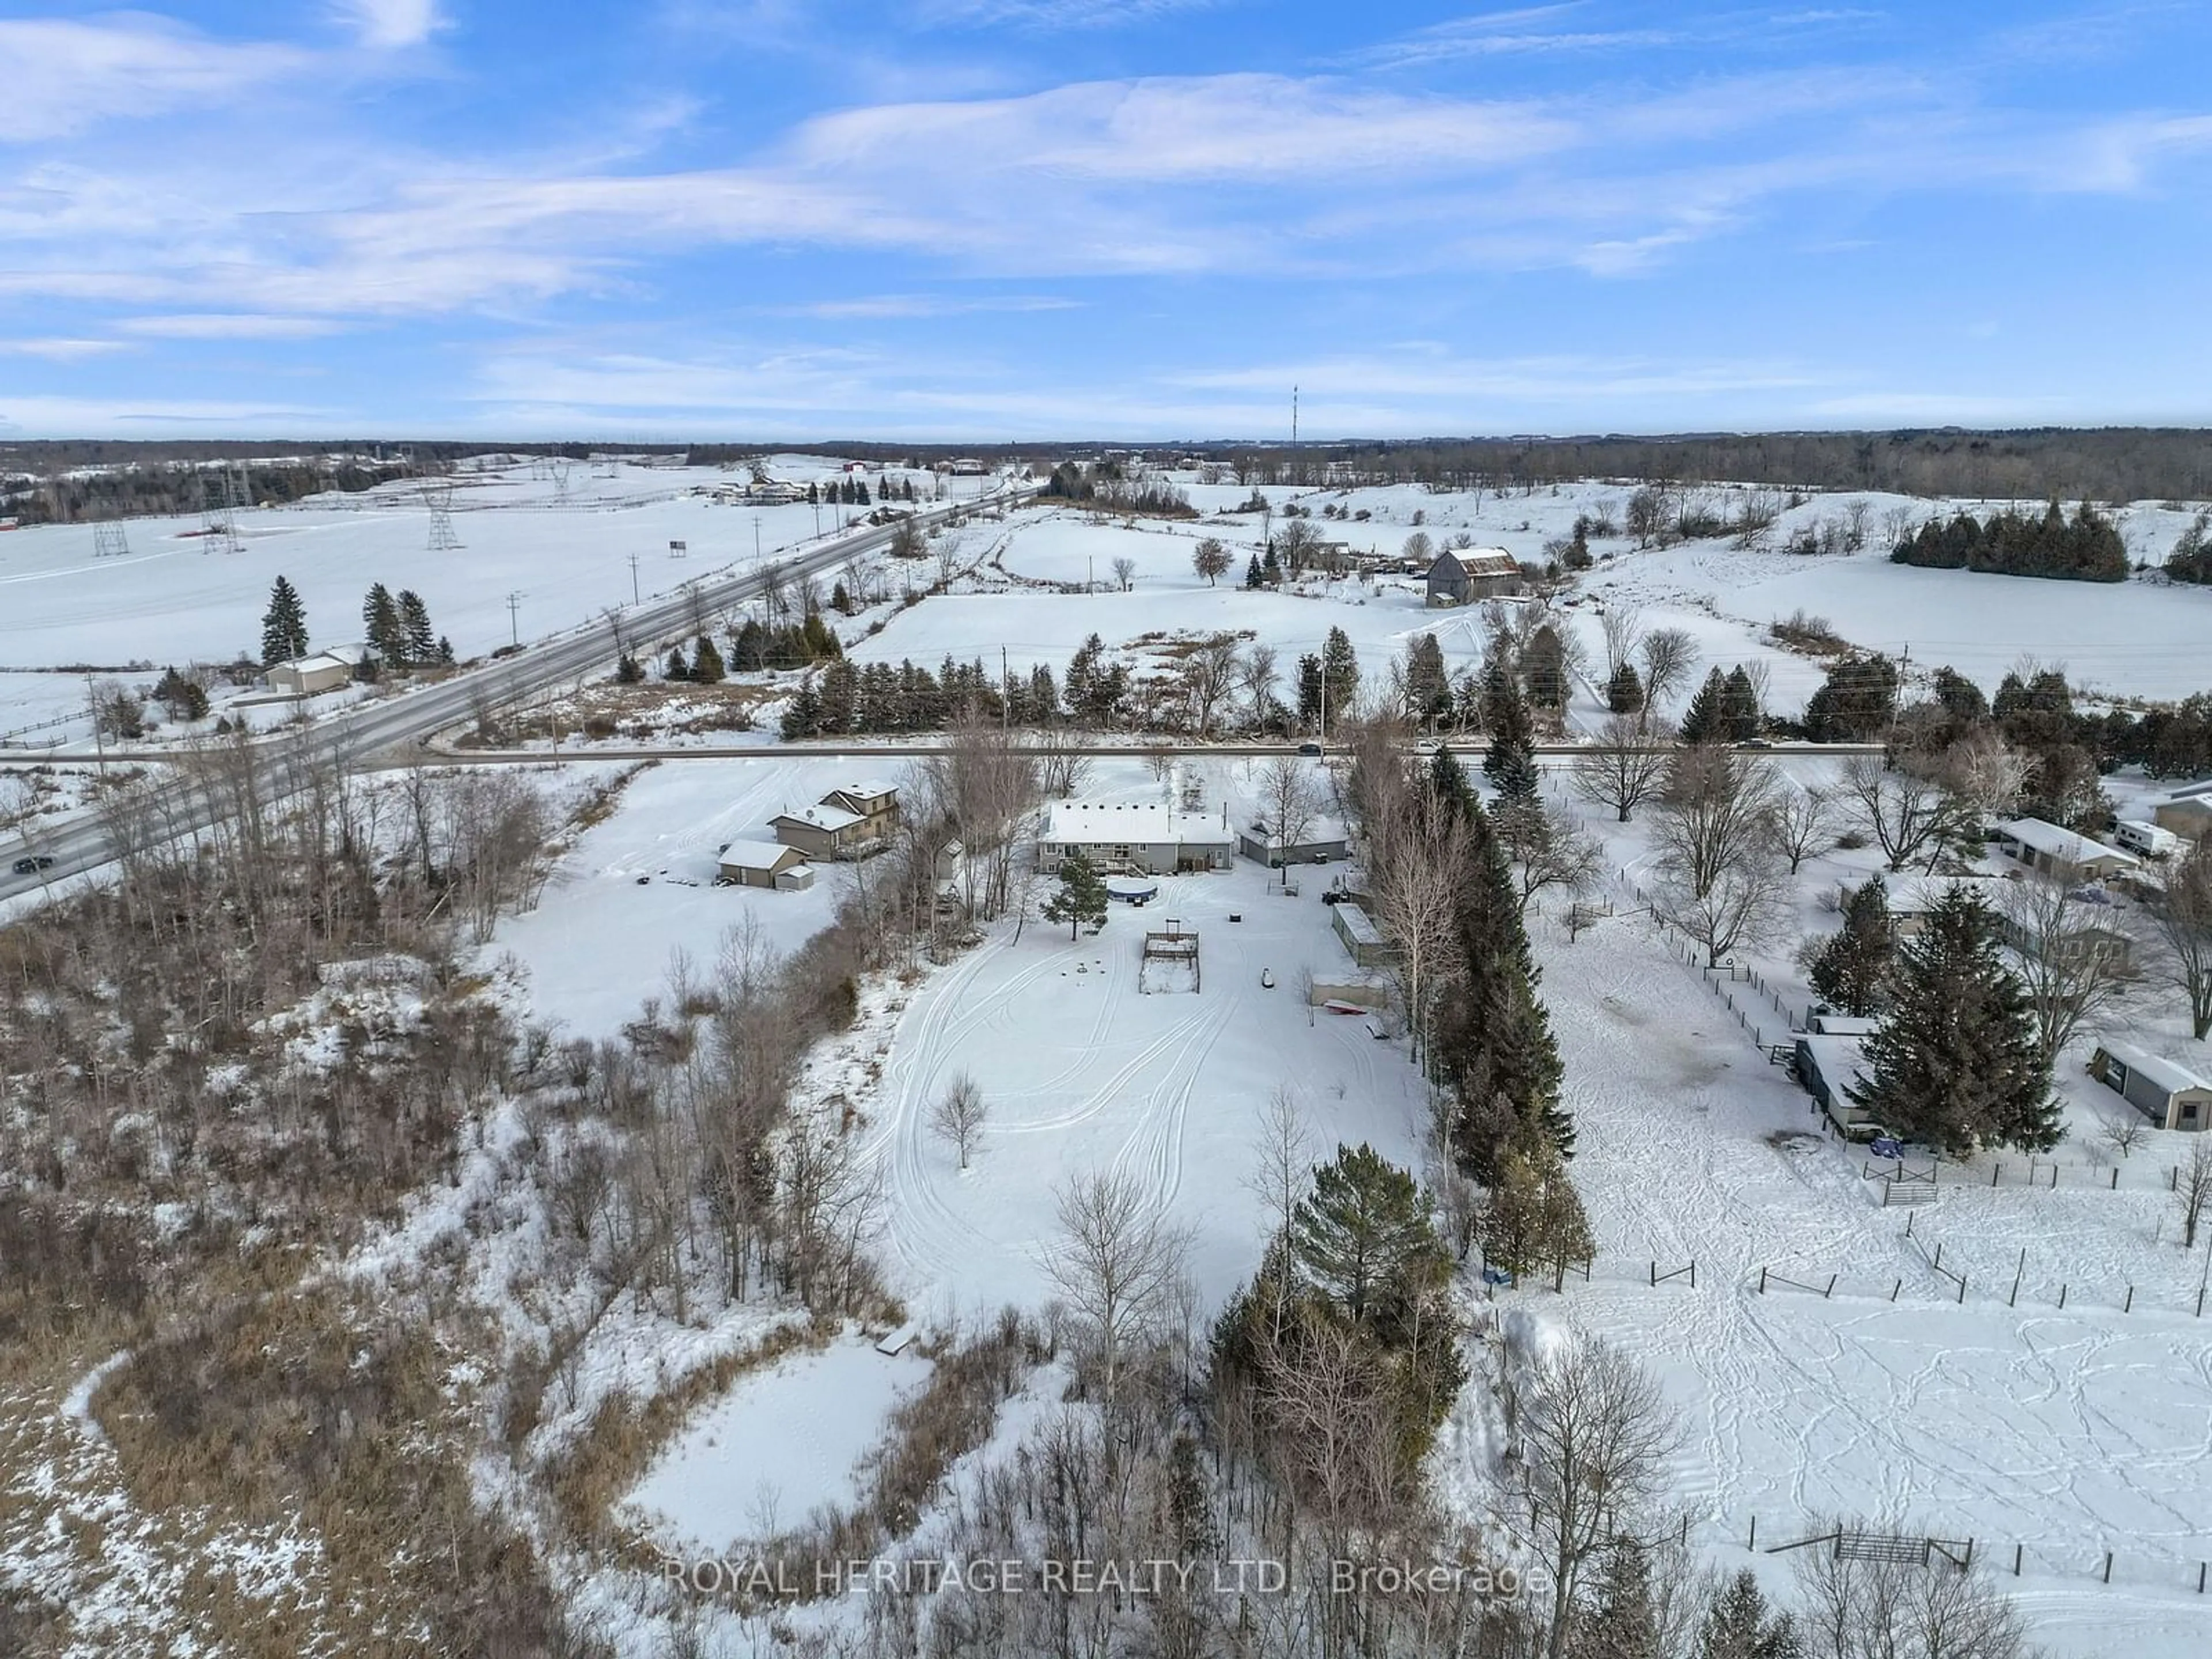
[1831, 1291]
[2129, 1306]
[2062, 1295]
[1995, 1169]
[1762, 1281]
[2108, 1567]
[1895, 1288]
[1693, 1280]
[2013, 1301]
[2116, 1178]
[2015, 1560]
[1753, 1547]
[2054, 1176]
[2200, 1579]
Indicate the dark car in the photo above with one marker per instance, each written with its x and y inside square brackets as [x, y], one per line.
[31, 866]
[1308, 749]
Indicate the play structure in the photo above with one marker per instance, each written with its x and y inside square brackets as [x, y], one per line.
[1170, 962]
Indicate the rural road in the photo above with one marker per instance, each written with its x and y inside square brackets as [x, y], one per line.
[85, 843]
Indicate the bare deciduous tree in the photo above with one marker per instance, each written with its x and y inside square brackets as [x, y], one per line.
[1288, 797]
[2192, 1190]
[2124, 1132]
[1258, 681]
[1623, 626]
[1985, 772]
[1747, 905]
[1625, 766]
[1125, 572]
[2183, 915]
[1117, 1264]
[1546, 850]
[958, 1116]
[2074, 968]
[1803, 823]
[1713, 813]
[1669, 654]
[1907, 816]
[1597, 1436]
[1417, 860]
[1208, 674]
[1856, 1609]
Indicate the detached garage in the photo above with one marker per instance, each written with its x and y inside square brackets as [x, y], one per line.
[764, 864]
[2167, 1093]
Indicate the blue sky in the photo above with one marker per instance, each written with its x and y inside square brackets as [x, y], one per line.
[1008, 219]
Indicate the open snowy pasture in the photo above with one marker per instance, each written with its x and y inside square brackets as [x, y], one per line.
[639, 887]
[1080, 1070]
[2067, 1432]
[565, 554]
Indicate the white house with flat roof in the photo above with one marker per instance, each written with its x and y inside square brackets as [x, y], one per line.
[2060, 854]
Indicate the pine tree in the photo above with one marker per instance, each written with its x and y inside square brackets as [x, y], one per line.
[1428, 682]
[380, 619]
[1493, 1043]
[1447, 783]
[421, 640]
[1851, 972]
[184, 697]
[1534, 1217]
[1623, 1623]
[1310, 692]
[1739, 715]
[1253, 576]
[1363, 1238]
[1081, 896]
[1544, 667]
[706, 661]
[1706, 721]
[677, 669]
[445, 652]
[802, 715]
[1340, 676]
[1511, 762]
[1855, 701]
[627, 670]
[840, 600]
[1271, 567]
[1623, 692]
[1738, 1625]
[1956, 1064]
[284, 625]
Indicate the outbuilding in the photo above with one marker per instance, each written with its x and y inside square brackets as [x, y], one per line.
[326, 670]
[2165, 1092]
[1826, 1067]
[2060, 854]
[764, 864]
[1460, 576]
[1362, 939]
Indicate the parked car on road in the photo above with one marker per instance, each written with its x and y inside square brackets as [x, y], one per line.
[31, 866]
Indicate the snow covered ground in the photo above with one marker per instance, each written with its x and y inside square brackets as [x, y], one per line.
[776, 1447]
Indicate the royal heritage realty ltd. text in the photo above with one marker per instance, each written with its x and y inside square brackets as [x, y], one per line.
[752, 1580]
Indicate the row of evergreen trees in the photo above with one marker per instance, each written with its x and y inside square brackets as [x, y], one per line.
[1956, 1062]
[2086, 548]
[398, 630]
[2192, 558]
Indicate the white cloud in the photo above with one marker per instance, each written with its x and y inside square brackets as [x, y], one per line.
[216, 325]
[151, 417]
[1054, 14]
[388, 25]
[62, 350]
[63, 75]
[891, 305]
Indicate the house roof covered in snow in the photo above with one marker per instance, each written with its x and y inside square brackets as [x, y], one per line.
[864, 789]
[1131, 823]
[822, 816]
[2196, 791]
[1479, 561]
[2168, 1074]
[757, 854]
[2059, 843]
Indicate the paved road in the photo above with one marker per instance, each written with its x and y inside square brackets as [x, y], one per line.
[84, 843]
[1470, 750]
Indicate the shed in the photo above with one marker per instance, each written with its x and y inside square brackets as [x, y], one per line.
[764, 864]
[2061, 854]
[326, 670]
[2188, 816]
[2165, 1092]
[1826, 1067]
[1361, 937]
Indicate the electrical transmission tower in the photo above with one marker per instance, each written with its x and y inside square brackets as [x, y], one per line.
[438, 497]
[560, 466]
[109, 541]
[218, 513]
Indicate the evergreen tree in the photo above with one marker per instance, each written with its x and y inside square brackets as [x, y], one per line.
[183, 697]
[1493, 1043]
[1447, 783]
[841, 601]
[380, 619]
[1511, 761]
[1340, 676]
[1623, 1623]
[627, 670]
[749, 647]
[1253, 576]
[1623, 692]
[1363, 1238]
[1544, 667]
[677, 669]
[284, 625]
[1534, 1217]
[1428, 682]
[1310, 693]
[1740, 714]
[445, 652]
[706, 661]
[1271, 567]
[1851, 972]
[802, 715]
[1956, 1064]
[1081, 896]
[1706, 721]
[1855, 701]
[1738, 1625]
[421, 640]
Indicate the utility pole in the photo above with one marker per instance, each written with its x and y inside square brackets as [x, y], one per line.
[1091, 572]
[756, 539]
[513, 622]
[633, 599]
[1005, 692]
[99, 742]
